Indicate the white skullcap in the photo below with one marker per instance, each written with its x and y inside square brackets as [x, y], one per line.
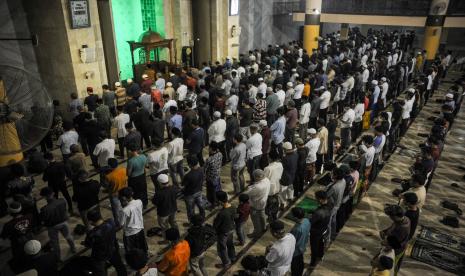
[145, 76]
[163, 179]
[280, 72]
[289, 84]
[262, 123]
[228, 57]
[294, 70]
[311, 131]
[267, 67]
[269, 89]
[260, 79]
[117, 84]
[383, 79]
[281, 61]
[287, 146]
[217, 114]
[321, 87]
[258, 174]
[32, 247]
[411, 90]
[375, 82]
[129, 80]
[228, 112]
[169, 84]
[449, 95]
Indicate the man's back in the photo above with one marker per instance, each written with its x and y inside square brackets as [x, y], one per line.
[102, 240]
[54, 212]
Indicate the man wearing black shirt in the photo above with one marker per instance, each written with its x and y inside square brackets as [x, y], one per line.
[91, 100]
[141, 121]
[412, 211]
[133, 139]
[165, 200]
[54, 217]
[102, 240]
[55, 175]
[319, 221]
[224, 227]
[197, 242]
[196, 141]
[86, 195]
[45, 263]
[192, 183]
[158, 130]
[18, 230]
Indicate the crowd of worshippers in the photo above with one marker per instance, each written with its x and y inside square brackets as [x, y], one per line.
[272, 114]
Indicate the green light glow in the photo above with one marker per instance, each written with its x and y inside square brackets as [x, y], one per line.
[128, 24]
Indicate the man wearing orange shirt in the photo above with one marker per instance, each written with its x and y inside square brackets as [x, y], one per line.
[116, 179]
[306, 92]
[176, 259]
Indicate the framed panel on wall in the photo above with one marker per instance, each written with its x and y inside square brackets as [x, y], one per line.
[233, 7]
[79, 14]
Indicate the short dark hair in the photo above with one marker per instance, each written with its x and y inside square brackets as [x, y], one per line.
[126, 192]
[112, 162]
[176, 132]
[197, 220]
[238, 137]
[298, 212]
[243, 198]
[222, 196]
[46, 192]
[192, 160]
[94, 215]
[321, 195]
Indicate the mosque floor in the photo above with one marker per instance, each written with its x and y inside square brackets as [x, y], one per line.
[357, 242]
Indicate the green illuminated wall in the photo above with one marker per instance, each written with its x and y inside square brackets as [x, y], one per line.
[130, 19]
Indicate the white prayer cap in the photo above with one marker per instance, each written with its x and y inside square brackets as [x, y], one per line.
[375, 82]
[280, 72]
[267, 66]
[260, 79]
[287, 146]
[311, 131]
[129, 80]
[289, 84]
[217, 114]
[294, 70]
[169, 84]
[383, 79]
[411, 90]
[118, 84]
[281, 61]
[163, 179]
[228, 112]
[262, 123]
[32, 247]
[145, 76]
[449, 96]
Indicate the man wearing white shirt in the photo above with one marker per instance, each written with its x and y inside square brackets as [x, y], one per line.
[132, 221]
[304, 117]
[160, 83]
[253, 90]
[227, 85]
[181, 92]
[313, 145]
[120, 122]
[324, 64]
[384, 91]
[359, 110]
[67, 139]
[298, 90]
[346, 123]
[216, 133]
[232, 102]
[104, 150]
[373, 54]
[175, 156]
[279, 255]
[325, 98]
[363, 60]
[365, 76]
[429, 85]
[254, 150]
[389, 59]
[374, 100]
[157, 162]
[281, 94]
[406, 109]
[261, 86]
[258, 195]
[395, 56]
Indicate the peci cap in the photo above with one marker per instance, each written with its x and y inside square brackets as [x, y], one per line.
[311, 131]
[163, 179]
[32, 247]
[287, 146]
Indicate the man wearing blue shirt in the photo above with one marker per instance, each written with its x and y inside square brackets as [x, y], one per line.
[301, 232]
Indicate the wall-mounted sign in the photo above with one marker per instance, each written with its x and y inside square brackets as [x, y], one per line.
[233, 7]
[79, 11]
